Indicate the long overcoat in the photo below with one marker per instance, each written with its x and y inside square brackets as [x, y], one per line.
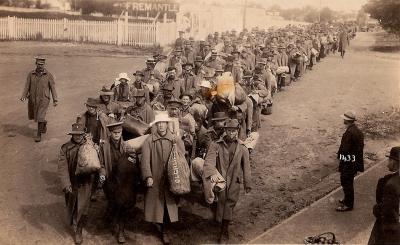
[351, 151]
[116, 187]
[37, 90]
[387, 228]
[78, 201]
[343, 40]
[155, 153]
[217, 159]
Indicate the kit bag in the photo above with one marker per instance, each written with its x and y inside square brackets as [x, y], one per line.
[88, 159]
[178, 172]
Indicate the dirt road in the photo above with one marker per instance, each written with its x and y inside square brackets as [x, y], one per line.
[294, 163]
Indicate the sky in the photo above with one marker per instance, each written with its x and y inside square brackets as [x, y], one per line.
[338, 5]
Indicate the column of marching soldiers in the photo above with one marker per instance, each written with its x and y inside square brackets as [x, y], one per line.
[214, 125]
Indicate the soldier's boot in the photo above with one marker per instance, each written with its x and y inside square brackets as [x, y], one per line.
[78, 239]
[121, 233]
[38, 137]
[224, 234]
[44, 127]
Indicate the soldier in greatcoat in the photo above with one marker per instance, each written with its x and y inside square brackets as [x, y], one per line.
[230, 158]
[120, 176]
[77, 188]
[39, 84]
[160, 206]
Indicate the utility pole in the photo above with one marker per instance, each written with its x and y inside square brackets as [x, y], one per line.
[319, 12]
[244, 14]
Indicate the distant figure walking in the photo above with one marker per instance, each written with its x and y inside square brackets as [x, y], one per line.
[344, 41]
[37, 89]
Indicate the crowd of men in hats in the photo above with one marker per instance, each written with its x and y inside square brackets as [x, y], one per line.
[181, 87]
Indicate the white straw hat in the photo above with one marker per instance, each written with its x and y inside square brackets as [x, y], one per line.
[123, 75]
[161, 117]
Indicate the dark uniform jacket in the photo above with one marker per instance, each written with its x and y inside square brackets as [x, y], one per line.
[387, 228]
[351, 150]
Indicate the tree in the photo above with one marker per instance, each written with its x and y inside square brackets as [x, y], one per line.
[311, 14]
[362, 18]
[326, 15]
[386, 12]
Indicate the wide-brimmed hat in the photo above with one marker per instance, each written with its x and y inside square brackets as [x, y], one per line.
[91, 102]
[349, 116]
[105, 91]
[231, 123]
[150, 60]
[40, 60]
[218, 68]
[77, 128]
[394, 153]
[174, 103]
[123, 75]
[198, 59]
[205, 84]
[247, 74]
[114, 125]
[219, 116]
[188, 64]
[161, 117]
[138, 73]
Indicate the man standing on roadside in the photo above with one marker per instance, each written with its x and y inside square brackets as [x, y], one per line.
[37, 89]
[351, 159]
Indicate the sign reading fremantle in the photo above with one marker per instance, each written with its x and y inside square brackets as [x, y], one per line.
[154, 5]
[151, 6]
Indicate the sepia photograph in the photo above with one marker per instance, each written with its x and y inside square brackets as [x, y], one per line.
[189, 122]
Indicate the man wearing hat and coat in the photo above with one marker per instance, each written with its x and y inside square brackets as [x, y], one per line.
[147, 72]
[140, 85]
[230, 158]
[189, 85]
[386, 210]
[160, 205]
[95, 122]
[351, 159]
[107, 106]
[120, 176]
[121, 88]
[39, 84]
[175, 81]
[141, 109]
[77, 188]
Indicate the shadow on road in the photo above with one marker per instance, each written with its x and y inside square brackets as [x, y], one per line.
[12, 129]
[52, 180]
[42, 216]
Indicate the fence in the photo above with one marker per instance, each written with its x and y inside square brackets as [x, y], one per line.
[110, 32]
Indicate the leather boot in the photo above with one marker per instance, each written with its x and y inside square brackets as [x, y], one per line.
[78, 234]
[121, 233]
[38, 137]
[224, 233]
[44, 127]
